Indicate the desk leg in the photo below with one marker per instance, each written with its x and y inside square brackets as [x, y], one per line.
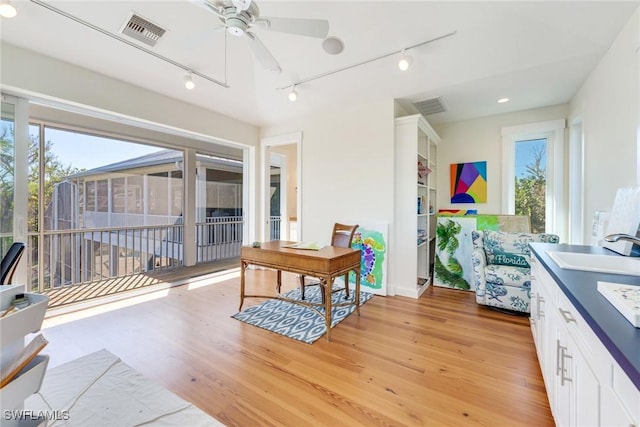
[279, 276]
[243, 269]
[328, 287]
[357, 298]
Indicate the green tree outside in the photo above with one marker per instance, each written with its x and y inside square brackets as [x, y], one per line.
[530, 191]
[54, 172]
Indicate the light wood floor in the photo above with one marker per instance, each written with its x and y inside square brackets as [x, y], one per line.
[438, 360]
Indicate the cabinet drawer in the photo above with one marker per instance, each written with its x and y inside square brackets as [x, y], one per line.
[545, 282]
[578, 328]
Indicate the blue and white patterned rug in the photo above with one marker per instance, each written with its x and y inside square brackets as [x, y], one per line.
[296, 321]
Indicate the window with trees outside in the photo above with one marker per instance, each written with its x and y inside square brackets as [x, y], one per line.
[532, 175]
[531, 182]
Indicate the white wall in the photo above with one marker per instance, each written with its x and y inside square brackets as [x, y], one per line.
[347, 166]
[478, 140]
[607, 104]
[34, 75]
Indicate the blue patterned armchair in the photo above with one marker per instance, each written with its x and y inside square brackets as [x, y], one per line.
[501, 269]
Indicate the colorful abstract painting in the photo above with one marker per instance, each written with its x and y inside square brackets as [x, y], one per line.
[371, 239]
[469, 182]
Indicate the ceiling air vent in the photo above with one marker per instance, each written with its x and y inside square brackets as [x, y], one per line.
[430, 106]
[141, 29]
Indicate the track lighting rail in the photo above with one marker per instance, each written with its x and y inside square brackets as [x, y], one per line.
[123, 40]
[396, 52]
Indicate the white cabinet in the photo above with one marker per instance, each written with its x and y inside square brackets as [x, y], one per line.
[578, 371]
[576, 387]
[415, 188]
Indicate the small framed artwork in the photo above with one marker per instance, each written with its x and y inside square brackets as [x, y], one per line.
[468, 182]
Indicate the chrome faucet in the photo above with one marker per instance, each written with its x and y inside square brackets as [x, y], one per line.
[621, 236]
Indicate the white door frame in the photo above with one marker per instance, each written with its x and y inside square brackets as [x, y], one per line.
[265, 144]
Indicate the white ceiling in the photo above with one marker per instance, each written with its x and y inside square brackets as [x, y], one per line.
[536, 53]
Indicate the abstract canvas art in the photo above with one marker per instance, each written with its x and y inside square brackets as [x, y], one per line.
[469, 182]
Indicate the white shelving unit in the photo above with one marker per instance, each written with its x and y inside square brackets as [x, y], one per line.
[13, 329]
[416, 145]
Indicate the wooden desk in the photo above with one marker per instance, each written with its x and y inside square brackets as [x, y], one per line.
[326, 264]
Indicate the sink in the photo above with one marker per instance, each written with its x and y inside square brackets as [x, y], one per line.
[597, 263]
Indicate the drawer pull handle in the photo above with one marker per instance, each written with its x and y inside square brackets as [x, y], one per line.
[566, 315]
[564, 356]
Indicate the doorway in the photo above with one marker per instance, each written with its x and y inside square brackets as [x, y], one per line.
[281, 201]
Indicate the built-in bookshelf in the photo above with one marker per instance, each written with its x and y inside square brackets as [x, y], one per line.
[415, 205]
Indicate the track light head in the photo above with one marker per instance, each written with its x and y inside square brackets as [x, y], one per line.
[293, 95]
[7, 10]
[405, 61]
[188, 81]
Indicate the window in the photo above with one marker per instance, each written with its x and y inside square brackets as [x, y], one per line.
[118, 195]
[518, 145]
[531, 181]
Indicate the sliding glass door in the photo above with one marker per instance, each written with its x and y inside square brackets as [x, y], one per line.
[7, 178]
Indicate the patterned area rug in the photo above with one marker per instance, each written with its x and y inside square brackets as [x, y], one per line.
[296, 321]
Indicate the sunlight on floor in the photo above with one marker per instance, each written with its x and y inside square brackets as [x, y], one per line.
[109, 304]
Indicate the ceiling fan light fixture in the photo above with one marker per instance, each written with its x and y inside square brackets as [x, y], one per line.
[237, 25]
[293, 95]
[188, 81]
[405, 61]
[7, 10]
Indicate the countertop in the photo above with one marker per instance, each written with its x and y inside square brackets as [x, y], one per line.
[617, 334]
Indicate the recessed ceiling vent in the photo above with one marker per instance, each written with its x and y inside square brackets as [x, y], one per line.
[430, 106]
[142, 30]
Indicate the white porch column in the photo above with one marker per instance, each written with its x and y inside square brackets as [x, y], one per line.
[201, 193]
[189, 211]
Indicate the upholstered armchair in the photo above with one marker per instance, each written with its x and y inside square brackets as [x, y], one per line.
[501, 271]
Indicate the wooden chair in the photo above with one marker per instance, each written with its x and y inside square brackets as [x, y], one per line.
[10, 262]
[342, 236]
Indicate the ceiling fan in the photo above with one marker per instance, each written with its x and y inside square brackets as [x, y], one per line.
[240, 17]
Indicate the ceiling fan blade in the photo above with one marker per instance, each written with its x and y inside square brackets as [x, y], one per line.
[303, 27]
[262, 54]
[214, 8]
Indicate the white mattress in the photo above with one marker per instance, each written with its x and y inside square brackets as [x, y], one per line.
[100, 390]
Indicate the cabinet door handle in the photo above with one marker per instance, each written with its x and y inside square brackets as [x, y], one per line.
[566, 315]
[564, 356]
[540, 302]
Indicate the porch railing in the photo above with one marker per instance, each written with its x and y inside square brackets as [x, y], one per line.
[74, 257]
[219, 238]
[274, 227]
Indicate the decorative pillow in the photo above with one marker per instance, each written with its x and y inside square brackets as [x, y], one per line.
[510, 259]
[508, 249]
